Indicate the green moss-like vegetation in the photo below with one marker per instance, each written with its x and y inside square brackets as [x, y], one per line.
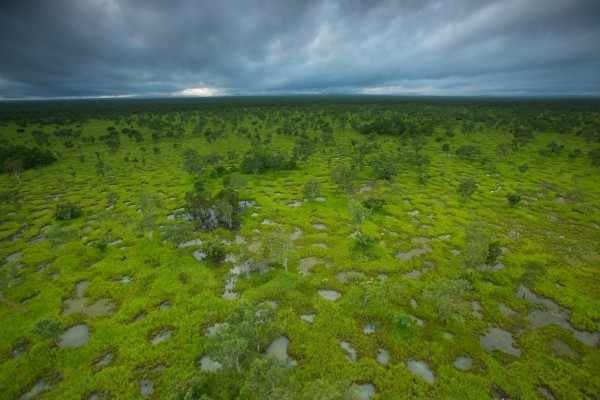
[430, 222]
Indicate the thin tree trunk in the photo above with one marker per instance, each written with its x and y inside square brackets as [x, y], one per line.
[285, 265]
[12, 304]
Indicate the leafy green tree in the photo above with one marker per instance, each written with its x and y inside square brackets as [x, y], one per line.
[9, 276]
[468, 151]
[14, 166]
[214, 250]
[149, 203]
[244, 336]
[385, 166]
[345, 178]
[363, 242]
[278, 247]
[177, 230]
[447, 298]
[67, 210]
[195, 386]
[12, 197]
[229, 348]
[359, 213]
[594, 157]
[312, 189]
[467, 187]
[304, 147]
[328, 390]
[266, 379]
[192, 162]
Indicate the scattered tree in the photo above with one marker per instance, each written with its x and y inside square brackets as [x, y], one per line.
[312, 189]
[67, 210]
[359, 213]
[467, 187]
[345, 178]
[446, 296]
[279, 247]
[9, 276]
[513, 199]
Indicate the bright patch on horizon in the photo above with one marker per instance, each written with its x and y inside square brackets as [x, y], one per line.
[200, 92]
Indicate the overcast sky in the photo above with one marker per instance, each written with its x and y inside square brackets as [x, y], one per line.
[95, 48]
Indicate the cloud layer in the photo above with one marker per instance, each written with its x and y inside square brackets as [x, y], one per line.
[74, 48]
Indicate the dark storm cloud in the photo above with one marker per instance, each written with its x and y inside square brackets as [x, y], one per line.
[71, 48]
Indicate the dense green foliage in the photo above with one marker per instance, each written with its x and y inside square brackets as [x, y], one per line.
[359, 234]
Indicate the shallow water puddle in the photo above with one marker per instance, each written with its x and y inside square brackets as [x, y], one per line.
[14, 256]
[17, 235]
[198, 255]
[463, 363]
[80, 304]
[310, 318]
[76, 336]
[351, 356]
[319, 226]
[499, 339]
[553, 314]
[37, 389]
[330, 295]
[476, 310]
[208, 364]
[421, 369]
[190, 243]
[161, 337]
[139, 316]
[368, 329]
[279, 349]
[146, 387]
[365, 391]
[417, 251]
[307, 263]
[383, 356]
[104, 360]
[296, 234]
[545, 391]
[495, 267]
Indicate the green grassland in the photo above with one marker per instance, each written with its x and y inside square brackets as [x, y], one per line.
[550, 244]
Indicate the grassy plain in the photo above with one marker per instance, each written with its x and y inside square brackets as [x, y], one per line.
[550, 244]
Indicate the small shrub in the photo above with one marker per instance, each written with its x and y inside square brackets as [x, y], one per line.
[374, 203]
[523, 168]
[47, 328]
[214, 250]
[467, 187]
[494, 251]
[513, 199]
[67, 210]
[312, 189]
